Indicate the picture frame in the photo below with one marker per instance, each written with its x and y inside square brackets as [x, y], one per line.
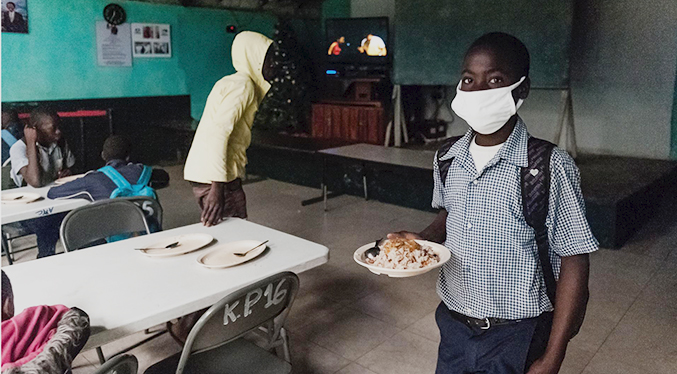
[15, 16]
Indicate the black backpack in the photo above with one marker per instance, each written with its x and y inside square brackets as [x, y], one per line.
[535, 181]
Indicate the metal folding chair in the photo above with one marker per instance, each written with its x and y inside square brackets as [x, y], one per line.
[151, 208]
[99, 220]
[122, 364]
[14, 230]
[215, 344]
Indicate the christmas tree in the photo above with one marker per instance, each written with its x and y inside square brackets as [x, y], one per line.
[286, 106]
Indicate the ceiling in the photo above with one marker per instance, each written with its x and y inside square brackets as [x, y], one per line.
[289, 8]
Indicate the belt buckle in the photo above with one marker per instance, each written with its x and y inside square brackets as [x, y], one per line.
[488, 326]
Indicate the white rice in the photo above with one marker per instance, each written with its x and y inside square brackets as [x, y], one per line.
[404, 254]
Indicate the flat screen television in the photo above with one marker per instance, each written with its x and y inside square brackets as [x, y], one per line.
[358, 40]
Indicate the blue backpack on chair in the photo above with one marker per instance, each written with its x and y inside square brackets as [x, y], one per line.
[126, 189]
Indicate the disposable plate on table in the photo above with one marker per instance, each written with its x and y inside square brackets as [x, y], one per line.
[186, 243]
[67, 179]
[20, 197]
[442, 251]
[224, 256]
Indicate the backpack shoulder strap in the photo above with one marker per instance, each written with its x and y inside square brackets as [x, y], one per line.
[535, 182]
[144, 178]
[8, 137]
[115, 176]
[444, 165]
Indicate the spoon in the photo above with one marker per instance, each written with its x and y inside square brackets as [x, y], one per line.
[168, 246]
[245, 253]
[373, 252]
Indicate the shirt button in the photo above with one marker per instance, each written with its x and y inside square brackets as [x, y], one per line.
[468, 310]
[469, 226]
[475, 181]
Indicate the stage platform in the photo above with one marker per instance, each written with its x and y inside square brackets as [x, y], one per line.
[620, 193]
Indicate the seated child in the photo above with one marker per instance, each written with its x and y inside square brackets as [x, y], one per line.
[46, 338]
[42, 156]
[12, 131]
[39, 158]
[95, 185]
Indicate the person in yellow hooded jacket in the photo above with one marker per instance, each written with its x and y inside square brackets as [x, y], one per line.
[216, 161]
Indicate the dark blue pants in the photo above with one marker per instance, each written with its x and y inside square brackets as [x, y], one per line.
[47, 231]
[503, 349]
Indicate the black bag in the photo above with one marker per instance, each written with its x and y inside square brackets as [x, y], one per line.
[535, 185]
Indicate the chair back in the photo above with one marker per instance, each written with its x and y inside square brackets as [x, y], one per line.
[7, 182]
[100, 220]
[122, 364]
[265, 302]
[152, 210]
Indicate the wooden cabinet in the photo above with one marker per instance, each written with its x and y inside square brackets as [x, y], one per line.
[358, 123]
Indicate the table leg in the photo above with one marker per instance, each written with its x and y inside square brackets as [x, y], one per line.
[324, 194]
[110, 121]
[102, 358]
[364, 181]
[324, 181]
[82, 142]
[5, 248]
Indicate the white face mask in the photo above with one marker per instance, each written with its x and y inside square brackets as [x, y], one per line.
[486, 111]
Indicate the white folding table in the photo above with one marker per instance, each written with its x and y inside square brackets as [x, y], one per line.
[125, 291]
[369, 154]
[40, 208]
[43, 207]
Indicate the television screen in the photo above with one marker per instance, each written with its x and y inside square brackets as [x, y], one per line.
[357, 40]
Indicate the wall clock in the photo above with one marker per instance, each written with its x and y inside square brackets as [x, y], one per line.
[114, 14]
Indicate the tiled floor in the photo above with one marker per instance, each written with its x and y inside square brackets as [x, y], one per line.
[348, 321]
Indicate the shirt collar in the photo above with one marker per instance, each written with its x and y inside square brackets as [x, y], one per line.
[48, 149]
[514, 149]
[116, 163]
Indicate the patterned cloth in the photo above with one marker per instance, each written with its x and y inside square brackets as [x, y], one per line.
[494, 269]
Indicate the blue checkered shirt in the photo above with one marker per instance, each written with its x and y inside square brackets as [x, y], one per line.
[494, 269]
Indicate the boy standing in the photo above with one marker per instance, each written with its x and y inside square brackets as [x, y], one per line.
[495, 315]
[217, 158]
[40, 158]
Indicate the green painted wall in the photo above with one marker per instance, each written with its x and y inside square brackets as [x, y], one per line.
[57, 59]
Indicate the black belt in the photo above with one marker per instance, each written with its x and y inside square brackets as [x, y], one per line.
[482, 323]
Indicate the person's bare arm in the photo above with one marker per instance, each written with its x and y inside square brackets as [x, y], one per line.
[570, 300]
[31, 172]
[435, 232]
[213, 205]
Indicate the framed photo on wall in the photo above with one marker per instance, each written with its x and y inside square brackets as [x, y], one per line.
[15, 16]
[151, 40]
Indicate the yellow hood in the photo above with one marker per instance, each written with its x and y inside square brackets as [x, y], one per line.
[248, 53]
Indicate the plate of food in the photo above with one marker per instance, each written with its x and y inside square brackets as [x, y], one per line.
[176, 245]
[67, 179]
[401, 258]
[226, 255]
[20, 197]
